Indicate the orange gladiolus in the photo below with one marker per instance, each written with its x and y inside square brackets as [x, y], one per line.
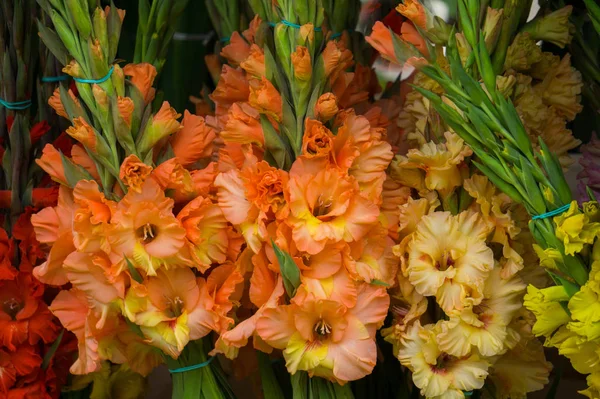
[80, 157]
[193, 141]
[91, 218]
[326, 338]
[326, 206]
[254, 64]
[302, 63]
[145, 230]
[265, 98]
[142, 76]
[232, 87]
[237, 50]
[133, 173]
[317, 140]
[326, 107]
[243, 126]
[51, 163]
[381, 40]
[55, 102]
[126, 107]
[414, 10]
[336, 59]
[54, 226]
[83, 133]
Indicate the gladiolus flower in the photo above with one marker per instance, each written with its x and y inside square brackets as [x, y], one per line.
[24, 317]
[448, 257]
[54, 226]
[14, 364]
[413, 10]
[265, 98]
[326, 206]
[7, 251]
[254, 63]
[232, 87]
[326, 338]
[381, 40]
[193, 141]
[317, 141]
[133, 173]
[206, 228]
[142, 76]
[83, 133]
[51, 163]
[237, 50]
[336, 59]
[91, 218]
[55, 102]
[243, 126]
[163, 124]
[326, 107]
[144, 228]
[436, 373]
[251, 197]
[126, 107]
[302, 63]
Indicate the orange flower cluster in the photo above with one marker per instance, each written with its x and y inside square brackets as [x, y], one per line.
[317, 255]
[136, 259]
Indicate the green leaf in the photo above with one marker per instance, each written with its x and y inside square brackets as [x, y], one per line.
[270, 386]
[54, 44]
[275, 145]
[48, 356]
[289, 270]
[133, 271]
[74, 173]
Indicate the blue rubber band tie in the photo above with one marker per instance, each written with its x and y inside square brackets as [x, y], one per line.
[194, 367]
[52, 79]
[19, 105]
[292, 25]
[224, 39]
[555, 212]
[92, 81]
[468, 393]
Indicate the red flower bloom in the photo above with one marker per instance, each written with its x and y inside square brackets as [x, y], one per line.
[21, 362]
[23, 314]
[7, 250]
[29, 246]
[38, 130]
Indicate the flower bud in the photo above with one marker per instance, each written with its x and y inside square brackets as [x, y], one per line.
[101, 30]
[254, 64]
[142, 76]
[163, 124]
[302, 63]
[326, 107]
[126, 107]
[592, 210]
[265, 98]
[307, 33]
[464, 48]
[80, 16]
[554, 27]
[118, 80]
[492, 27]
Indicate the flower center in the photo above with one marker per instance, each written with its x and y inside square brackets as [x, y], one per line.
[442, 363]
[445, 262]
[323, 329]
[176, 307]
[11, 307]
[147, 233]
[322, 206]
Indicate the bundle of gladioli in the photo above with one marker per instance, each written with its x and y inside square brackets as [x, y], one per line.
[145, 249]
[480, 113]
[301, 180]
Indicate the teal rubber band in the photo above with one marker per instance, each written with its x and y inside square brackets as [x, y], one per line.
[92, 81]
[19, 105]
[468, 393]
[555, 212]
[224, 39]
[194, 367]
[292, 25]
[336, 35]
[52, 79]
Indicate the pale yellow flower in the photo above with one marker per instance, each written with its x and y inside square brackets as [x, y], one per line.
[545, 305]
[436, 373]
[522, 53]
[439, 161]
[575, 230]
[561, 88]
[448, 258]
[521, 370]
[484, 326]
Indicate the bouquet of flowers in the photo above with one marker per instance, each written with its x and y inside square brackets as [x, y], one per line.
[482, 115]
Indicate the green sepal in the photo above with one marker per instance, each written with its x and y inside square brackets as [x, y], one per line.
[133, 271]
[288, 269]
